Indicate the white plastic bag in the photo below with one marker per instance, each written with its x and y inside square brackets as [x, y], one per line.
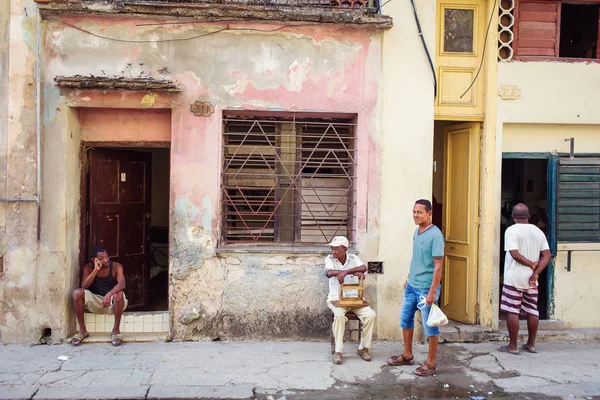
[436, 316]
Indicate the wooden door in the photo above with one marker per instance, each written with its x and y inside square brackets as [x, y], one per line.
[461, 221]
[119, 215]
[461, 28]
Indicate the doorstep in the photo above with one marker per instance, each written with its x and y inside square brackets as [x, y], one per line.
[103, 337]
[131, 322]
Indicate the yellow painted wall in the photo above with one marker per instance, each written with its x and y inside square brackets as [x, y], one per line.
[550, 92]
[576, 291]
[550, 138]
[407, 150]
[576, 288]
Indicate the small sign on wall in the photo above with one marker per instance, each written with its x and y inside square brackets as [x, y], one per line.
[202, 108]
[375, 267]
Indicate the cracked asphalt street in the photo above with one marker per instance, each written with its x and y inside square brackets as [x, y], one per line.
[294, 370]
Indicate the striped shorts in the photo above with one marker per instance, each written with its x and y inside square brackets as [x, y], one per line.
[519, 301]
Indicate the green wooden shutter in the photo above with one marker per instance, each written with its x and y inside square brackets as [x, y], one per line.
[579, 199]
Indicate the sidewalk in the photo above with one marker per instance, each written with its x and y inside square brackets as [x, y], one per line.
[272, 370]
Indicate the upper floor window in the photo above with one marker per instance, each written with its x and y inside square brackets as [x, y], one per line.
[557, 29]
[288, 178]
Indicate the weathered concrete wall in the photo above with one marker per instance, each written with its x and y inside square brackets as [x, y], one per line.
[268, 294]
[407, 173]
[19, 282]
[4, 52]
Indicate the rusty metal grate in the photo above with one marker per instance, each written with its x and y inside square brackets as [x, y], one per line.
[288, 180]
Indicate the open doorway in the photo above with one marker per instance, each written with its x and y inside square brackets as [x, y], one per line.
[127, 212]
[525, 181]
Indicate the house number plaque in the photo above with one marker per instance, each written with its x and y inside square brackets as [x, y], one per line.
[202, 108]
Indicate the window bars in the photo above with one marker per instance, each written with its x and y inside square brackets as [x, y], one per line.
[288, 180]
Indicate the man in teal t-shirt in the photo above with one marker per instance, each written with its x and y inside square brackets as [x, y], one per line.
[423, 281]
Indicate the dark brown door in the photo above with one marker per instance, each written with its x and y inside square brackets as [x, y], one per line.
[119, 215]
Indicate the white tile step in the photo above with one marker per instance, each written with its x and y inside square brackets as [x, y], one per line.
[131, 322]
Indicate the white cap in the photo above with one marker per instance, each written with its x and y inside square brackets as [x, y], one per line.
[339, 241]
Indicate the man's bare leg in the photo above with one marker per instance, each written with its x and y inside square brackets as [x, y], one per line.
[512, 322]
[433, 345]
[118, 305]
[407, 334]
[79, 305]
[533, 322]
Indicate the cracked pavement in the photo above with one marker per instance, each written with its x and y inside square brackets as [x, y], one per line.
[296, 370]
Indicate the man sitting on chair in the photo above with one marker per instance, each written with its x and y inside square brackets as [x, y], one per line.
[342, 267]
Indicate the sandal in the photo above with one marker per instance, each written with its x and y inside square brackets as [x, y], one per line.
[504, 349]
[79, 338]
[529, 350]
[116, 339]
[395, 361]
[421, 371]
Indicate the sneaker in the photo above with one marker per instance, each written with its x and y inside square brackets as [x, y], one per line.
[337, 358]
[364, 354]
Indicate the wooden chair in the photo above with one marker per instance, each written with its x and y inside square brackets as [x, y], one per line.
[349, 303]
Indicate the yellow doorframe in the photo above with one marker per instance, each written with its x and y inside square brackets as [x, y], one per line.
[490, 159]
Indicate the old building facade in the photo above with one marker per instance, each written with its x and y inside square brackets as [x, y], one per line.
[214, 149]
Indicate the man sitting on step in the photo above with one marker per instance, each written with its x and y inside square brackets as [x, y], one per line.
[101, 292]
[342, 267]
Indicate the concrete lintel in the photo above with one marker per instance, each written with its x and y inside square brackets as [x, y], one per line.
[223, 13]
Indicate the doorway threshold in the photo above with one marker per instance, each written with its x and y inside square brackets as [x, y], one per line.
[131, 322]
[458, 332]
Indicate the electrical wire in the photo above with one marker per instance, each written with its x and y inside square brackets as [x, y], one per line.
[412, 2]
[172, 40]
[487, 31]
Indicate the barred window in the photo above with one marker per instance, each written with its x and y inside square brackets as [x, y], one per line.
[288, 178]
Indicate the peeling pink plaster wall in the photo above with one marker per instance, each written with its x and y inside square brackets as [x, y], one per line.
[299, 69]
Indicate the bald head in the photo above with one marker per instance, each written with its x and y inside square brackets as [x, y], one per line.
[520, 212]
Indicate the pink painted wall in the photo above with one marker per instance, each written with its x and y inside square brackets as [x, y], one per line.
[125, 125]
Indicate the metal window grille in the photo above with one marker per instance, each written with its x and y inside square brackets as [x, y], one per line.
[288, 180]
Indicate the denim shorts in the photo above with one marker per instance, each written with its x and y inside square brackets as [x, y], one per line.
[409, 307]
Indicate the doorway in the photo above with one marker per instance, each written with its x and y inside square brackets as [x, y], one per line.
[126, 195]
[525, 180]
[456, 203]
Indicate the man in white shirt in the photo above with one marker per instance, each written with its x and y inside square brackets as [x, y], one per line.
[342, 267]
[527, 254]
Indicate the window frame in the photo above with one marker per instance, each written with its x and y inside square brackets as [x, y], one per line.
[283, 117]
[557, 58]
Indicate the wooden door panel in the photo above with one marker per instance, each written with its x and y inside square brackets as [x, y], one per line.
[461, 28]
[136, 185]
[107, 181]
[120, 213]
[136, 234]
[456, 286]
[460, 223]
[457, 222]
[106, 233]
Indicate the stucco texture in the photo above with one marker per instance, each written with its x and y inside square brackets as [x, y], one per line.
[270, 294]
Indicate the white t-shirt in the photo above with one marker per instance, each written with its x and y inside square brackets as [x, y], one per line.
[352, 261]
[529, 241]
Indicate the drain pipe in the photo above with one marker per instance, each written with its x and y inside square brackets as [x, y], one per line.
[38, 128]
